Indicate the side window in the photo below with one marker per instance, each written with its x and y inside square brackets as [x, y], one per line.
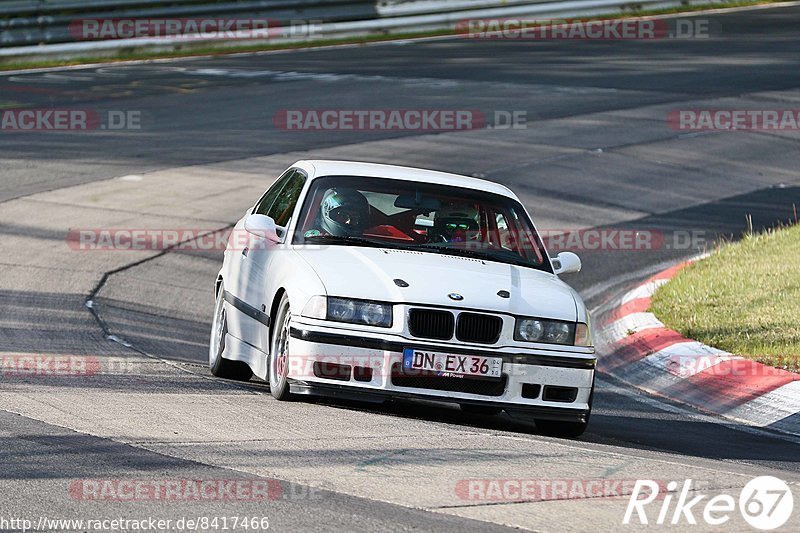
[505, 237]
[526, 243]
[282, 208]
[266, 201]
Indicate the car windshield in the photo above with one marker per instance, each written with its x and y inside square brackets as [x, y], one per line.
[363, 211]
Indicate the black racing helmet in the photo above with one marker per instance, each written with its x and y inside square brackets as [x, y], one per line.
[344, 212]
[455, 223]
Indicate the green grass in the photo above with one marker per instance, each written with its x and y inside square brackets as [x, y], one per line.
[189, 50]
[744, 299]
[698, 7]
[143, 53]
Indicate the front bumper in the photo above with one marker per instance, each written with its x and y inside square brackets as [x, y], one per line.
[370, 367]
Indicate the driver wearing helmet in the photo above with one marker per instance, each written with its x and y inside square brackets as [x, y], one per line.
[343, 213]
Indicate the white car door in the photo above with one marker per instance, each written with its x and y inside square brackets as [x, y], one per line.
[254, 288]
[241, 323]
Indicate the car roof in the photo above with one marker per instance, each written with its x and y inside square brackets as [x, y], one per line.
[319, 167]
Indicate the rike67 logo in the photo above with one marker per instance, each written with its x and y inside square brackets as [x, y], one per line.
[765, 503]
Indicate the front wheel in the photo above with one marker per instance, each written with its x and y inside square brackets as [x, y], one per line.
[219, 366]
[278, 359]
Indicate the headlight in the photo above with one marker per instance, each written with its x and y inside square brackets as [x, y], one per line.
[529, 329]
[374, 314]
[341, 310]
[350, 311]
[547, 331]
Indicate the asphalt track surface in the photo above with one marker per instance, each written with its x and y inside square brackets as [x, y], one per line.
[596, 152]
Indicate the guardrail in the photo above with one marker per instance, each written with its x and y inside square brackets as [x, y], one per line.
[27, 25]
[48, 21]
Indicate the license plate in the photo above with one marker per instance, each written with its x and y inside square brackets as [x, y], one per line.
[450, 364]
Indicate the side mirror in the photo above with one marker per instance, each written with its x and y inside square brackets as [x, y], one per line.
[262, 226]
[566, 263]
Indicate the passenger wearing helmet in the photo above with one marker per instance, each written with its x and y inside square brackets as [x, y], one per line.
[343, 213]
[454, 223]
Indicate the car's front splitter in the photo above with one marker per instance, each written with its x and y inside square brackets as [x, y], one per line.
[522, 372]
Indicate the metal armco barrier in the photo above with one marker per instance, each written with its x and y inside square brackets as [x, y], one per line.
[48, 21]
[25, 25]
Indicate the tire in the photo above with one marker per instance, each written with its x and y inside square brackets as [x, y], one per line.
[219, 366]
[482, 410]
[278, 358]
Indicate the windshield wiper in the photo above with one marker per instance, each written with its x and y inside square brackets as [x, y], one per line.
[475, 254]
[347, 240]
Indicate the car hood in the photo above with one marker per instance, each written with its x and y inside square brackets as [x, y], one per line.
[369, 273]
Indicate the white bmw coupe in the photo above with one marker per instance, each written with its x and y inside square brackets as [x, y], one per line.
[373, 281]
